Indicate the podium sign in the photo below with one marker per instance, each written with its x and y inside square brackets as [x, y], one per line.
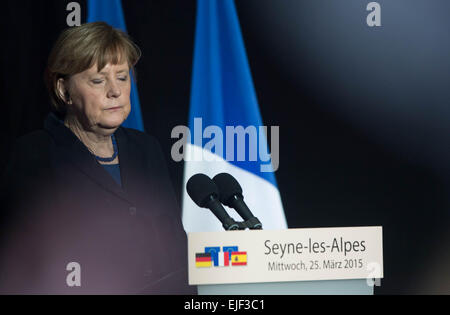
[264, 256]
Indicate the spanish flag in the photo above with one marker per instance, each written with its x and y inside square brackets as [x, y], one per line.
[203, 260]
[239, 258]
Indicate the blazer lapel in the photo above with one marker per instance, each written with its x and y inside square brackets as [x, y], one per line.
[70, 148]
[130, 163]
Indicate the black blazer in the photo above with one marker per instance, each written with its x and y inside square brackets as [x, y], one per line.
[61, 206]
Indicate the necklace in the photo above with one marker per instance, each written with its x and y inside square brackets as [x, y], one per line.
[112, 158]
[98, 158]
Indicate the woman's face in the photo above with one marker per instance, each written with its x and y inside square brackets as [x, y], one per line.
[101, 100]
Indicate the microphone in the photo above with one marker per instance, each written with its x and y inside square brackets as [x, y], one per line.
[204, 193]
[231, 196]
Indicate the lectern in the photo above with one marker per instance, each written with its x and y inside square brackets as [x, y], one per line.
[292, 261]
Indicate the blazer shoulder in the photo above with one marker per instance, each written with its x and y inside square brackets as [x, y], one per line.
[144, 140]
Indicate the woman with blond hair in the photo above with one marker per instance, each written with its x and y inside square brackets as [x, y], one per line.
[89, 204]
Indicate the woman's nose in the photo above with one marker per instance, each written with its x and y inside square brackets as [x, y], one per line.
[113, 89]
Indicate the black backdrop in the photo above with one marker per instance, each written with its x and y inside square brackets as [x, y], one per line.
[364, 113]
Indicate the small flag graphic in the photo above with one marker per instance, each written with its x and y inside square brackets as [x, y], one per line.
[203, 260]
[213, 257]
[239, 258]
[214, 251]
[224, 259]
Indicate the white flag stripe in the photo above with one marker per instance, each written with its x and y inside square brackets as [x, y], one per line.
[222, 259]
[261, 196]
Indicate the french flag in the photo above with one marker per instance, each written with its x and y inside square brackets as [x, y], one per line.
[222, 94]
[223, 259]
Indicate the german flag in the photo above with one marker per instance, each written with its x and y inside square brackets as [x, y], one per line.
[239, 258]
[203, 260]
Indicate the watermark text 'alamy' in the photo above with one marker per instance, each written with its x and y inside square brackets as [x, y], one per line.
[235, 143]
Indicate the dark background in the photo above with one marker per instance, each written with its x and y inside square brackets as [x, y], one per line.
[364, 112]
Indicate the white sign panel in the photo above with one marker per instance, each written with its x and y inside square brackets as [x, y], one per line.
[254, 256]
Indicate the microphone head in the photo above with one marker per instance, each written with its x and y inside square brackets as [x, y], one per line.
[200, 188]
[228, 188]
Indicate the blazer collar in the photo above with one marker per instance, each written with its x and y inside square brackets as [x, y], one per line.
[70, 148]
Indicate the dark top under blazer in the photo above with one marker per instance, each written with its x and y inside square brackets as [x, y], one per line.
[61, 206]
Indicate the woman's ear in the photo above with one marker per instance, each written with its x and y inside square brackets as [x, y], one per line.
[63, 90]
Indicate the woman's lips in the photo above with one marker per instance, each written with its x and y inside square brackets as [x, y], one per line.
[114, 108]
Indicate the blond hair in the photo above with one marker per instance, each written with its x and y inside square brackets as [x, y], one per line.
[79, 48]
